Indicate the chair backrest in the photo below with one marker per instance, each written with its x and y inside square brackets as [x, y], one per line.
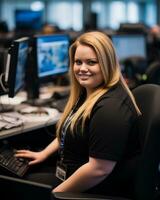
[148, 99]
[153, 73]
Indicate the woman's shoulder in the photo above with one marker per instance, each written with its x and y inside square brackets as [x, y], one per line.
[115, 92]
[116, 98]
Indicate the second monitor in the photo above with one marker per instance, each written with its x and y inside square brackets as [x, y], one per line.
[49, 59]
[131, 50]
[15, 71]
[52, 55]
[129, 45]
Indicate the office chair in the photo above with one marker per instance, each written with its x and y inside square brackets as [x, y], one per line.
[134, 68]
[153, 73]
[147, 97]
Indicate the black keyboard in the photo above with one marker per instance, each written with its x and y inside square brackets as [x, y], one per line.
[17, 166]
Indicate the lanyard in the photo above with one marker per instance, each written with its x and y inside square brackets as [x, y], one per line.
[64, 131]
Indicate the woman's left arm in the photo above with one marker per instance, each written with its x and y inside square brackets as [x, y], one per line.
[87, 176]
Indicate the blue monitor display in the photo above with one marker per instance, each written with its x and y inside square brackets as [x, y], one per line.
[21, 63]
[52, 55]
[28, 19]
[16, 66]
[129, 45]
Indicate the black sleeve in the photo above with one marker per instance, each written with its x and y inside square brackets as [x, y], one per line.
[109, 129]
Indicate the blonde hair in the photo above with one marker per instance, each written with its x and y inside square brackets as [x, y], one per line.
[109, 65]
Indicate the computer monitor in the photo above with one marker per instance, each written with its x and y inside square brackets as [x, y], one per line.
[2, 64]
[26, 19]
[129, 45]
[16, 66]
[49, 59]
[52, 55]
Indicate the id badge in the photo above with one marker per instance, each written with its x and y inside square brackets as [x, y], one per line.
[61, 172]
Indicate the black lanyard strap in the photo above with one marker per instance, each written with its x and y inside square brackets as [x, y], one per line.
[64, 129]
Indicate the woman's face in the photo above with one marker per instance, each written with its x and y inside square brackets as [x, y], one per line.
[86, 68]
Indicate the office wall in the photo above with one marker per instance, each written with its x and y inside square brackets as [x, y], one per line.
[74, 14]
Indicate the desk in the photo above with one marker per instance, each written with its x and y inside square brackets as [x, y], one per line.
[45, 93]
[31, 124]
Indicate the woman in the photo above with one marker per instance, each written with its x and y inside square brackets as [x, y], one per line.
[96, 136]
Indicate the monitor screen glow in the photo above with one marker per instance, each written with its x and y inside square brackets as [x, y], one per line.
[16, 66]
[52, 55]
[26, 19]
[21, 64]
[128, 45]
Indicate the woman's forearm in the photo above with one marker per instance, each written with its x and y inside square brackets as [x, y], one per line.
[51, 148]
[85, 177]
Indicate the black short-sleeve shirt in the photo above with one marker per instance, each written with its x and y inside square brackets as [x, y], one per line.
[112, 133]
[109, 134]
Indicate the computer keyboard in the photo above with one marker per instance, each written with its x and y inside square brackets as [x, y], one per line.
[16, 166]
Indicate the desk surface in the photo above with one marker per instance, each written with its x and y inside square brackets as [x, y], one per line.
[32, 122]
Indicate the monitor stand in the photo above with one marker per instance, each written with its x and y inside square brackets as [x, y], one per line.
[57, 95]
[38, 102]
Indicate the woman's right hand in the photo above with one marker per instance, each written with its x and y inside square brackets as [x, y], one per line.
[33, 157]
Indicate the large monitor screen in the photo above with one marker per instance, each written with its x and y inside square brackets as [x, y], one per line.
[129, 45]
[16, 66]
[28, 19]
[52, 55]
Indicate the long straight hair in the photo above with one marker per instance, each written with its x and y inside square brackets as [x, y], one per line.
[111, 73]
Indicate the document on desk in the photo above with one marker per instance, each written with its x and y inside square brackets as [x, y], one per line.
[28, 115]
[10, 120]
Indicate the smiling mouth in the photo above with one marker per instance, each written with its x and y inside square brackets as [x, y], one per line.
[84, 76]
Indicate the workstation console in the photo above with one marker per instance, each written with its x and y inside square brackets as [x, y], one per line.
[19, 121]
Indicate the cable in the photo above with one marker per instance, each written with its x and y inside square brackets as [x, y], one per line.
[1, 83]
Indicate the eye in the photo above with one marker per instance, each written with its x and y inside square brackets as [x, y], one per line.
[92, 62]
[78, 62]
